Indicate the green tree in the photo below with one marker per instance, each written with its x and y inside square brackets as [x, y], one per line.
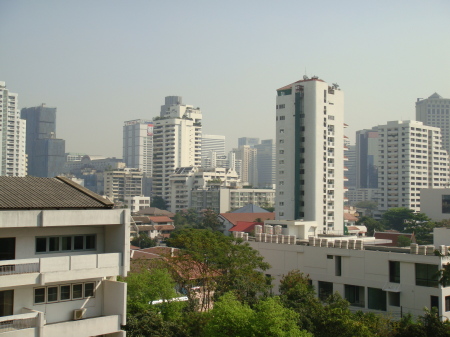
[444, 275]
[368, 205]
[225, 263]
[399, 218]
[229, 317]
[143, 241]
[403, 241]
[210, 220]
[158, 202]
[371, 224]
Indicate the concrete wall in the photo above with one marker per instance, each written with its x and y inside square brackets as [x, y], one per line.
[431, 203]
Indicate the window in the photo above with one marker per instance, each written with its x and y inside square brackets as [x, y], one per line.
[354, 295]
[376, 299]
[394, 271]
[338, 265]
[446, 204]
[427, 275]
[394, 299]
[325, 290]
[282, 118]
[64, 292]
[281, 130]
[53, 244]
[447, 303]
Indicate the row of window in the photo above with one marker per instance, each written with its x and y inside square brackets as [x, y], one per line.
[54, 244]
[65, 292]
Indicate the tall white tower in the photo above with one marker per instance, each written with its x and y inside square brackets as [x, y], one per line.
[212, 143]
[410, 157]
[177, 142]
[435, 111]
[138, 145]
[310, 153]
[13, 160]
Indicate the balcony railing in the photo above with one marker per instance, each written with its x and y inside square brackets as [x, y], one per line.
[18, 322]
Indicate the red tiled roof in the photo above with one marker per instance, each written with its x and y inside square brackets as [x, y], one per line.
[394, 237]
[160, 219]
[139, 254]
[245, 226]
[134, 247]
[249, 217]
[164, 227]
[350, 217]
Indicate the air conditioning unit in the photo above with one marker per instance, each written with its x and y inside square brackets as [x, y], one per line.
[78, 314]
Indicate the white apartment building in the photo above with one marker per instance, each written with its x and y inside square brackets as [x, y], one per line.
[410, 157]
[186, 180]
[176, 143]
[138, 145]
[310, 153]
[222, 199]
[137, 203]
[435, 111]
[210, 144]
[13, 160]
[249, 165]
[61, 249]
[122, 185]
[373, 278]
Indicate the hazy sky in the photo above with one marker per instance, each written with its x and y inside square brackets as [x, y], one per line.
[104, 62]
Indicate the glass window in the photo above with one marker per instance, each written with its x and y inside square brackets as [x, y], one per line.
[66, 243]
[53, 244]
[39, 295]
[338, 265]
[90, 241]
[77, 291]
[89, 289]
[65, 292]
[41, 245]
[427, 275]
[446, 204]
[52, 294]
[394, 271]
[394, 299]
[355, 295]
[78, 242]
[325, 290]
[376, 299]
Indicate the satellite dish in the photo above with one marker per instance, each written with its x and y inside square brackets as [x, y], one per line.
[305, 77]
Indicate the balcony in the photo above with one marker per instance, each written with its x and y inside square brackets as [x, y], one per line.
[43, 270]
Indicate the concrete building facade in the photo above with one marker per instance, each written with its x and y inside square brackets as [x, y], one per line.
[212, 144]
[265, 163]
[13, 159]
[249, 166]
[435, 111]
[46, 153]
[138, 145]
[310, 153]
[411, 157]
[61, 249]
[121, 185]
[177, 142]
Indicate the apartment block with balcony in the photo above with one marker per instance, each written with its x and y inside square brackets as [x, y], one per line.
[61, 250]
[410, 157]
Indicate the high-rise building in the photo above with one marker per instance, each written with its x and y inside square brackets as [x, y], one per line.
[46, 153]
[248, 141]
[265, 162]
[310, 153]
[177, 142]
[351, 167]
[13, 159]
[138, 145]
[411, 157]
[435, 111]
[367, 158]
[249, 168]
[212, 143]
[122, 185]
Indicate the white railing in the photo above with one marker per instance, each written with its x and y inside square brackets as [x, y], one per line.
[18, 322]
[25, 266]
[60, 263]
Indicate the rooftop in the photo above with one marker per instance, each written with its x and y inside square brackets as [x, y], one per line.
[47, 193]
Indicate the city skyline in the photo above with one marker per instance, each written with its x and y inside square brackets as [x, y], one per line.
[107, 62]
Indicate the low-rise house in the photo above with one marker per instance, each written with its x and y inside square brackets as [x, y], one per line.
[248, 213]
[61, 249]
[156, 227]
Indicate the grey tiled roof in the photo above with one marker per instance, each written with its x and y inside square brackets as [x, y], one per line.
[47, 193]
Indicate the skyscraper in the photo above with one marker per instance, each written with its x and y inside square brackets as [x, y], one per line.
[411, 157]
[248, 141]
[310, 153]
[435, 111]
[138, 145]
[249, 167]
[13, 160]
[265, 162]
[367, 158]
[177, 142]
[46, 153]
[212, 143]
